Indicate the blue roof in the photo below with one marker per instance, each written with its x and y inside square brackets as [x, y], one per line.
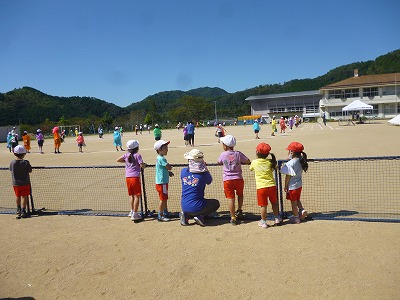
[284, 95]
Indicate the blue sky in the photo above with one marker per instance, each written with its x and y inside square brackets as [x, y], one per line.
[123, 51]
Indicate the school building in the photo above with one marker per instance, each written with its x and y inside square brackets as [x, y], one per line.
[380, 91]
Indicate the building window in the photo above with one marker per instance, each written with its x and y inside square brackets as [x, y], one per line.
[336, 94]
[351, 93]
[388, 90]
[312, 108]
[370, 92]
[294, 108]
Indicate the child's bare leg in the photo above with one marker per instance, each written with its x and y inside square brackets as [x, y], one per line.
[299, 205]
[295, 208]
[162, 206]
[275, 209]
[263, 212]
[18, 201]
[24, 201]
[240, 202]
[135, 203]
[231, 205]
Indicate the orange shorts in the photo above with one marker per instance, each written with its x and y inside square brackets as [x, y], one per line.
[134, 186]
[230, 186]
[266, 193]
[162, 190]
[23, 190]
[294, 195]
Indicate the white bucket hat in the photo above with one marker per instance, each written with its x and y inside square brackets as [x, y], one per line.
[195, 154]
[159, 144]
[132, 144]
[228, 140]
[19, 149]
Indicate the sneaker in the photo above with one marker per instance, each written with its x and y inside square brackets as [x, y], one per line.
[233, 221]
[130, 213]
[136, 216]
[303, 214]
[163, 219]
[239, 214]
[183, 219]
[167, 214]
[278, 221]
[24, 214]
[294, 220]
[262, 224]
[199, 220]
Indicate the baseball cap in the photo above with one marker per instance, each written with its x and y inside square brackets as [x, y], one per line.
[19, 149]
[263, 148]
[159, 144]
[295, 147]
[132, 144]
[228, 140]
[194, 154]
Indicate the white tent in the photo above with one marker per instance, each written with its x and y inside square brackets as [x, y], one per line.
[395, 120]
[357, 105]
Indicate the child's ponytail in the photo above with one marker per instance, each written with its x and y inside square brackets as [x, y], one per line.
[303, 161]
[273, 161]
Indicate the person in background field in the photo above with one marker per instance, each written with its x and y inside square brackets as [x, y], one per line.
[121, 131]
[185, 136]
[293, 170]
[273, 124]
[194, 180]
[20, 170]
[76, 132]
[291, 123]
[80, 141]
[220, 132]
[40, 140]
[282, 124]
[163, 172]
[133, 165]
[27, 141]
[232, 176]
[63, 134]
[265, 182]
[9, 139]
[157, 132]
[256, 129]
[190, 132]
[117, 139]
[101, 133]
[14, 141]
[57, 140]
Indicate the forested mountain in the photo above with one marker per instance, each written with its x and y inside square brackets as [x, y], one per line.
[29, 106]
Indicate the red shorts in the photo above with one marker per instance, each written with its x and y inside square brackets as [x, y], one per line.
[266, 193]
[231, 185]
[162, 190]
[294, 195]
[134, 186]
[23, 190]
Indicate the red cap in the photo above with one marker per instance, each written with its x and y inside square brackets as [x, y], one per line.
[295, 147]
[263, 148]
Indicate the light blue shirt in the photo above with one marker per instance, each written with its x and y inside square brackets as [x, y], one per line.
[162, 175]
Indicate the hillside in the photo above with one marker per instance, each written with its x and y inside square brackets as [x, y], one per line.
[30, 106]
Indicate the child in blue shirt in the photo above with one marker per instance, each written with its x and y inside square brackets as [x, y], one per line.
[163, 172]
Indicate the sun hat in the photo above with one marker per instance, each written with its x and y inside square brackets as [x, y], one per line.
[295, 147]
[159, 144]
[116, 128]
[263, 148]
[156, 125]
[38, 130]
[194, 154]
[132, 144]
[228, 140]
[19, 149]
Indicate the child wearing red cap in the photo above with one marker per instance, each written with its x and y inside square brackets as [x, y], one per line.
[265, 182]
[293, 181]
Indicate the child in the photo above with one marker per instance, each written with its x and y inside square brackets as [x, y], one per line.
[185, 136]
[40, 140]
[293, 180]
[133, 165]
[256, 129]
[273, 124]
[20, 170]
[27, 141]
[232, 177]
[57, 140]
[9, 139]
[163, 172]
[282, 123]
[157, 132]
[81, 141]
[219, 132]
[265, 182]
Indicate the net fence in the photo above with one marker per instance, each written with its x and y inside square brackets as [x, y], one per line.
[337, 188]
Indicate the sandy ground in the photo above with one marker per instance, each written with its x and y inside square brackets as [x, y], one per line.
[76, 257]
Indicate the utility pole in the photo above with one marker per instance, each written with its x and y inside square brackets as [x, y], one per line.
[215, 109]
